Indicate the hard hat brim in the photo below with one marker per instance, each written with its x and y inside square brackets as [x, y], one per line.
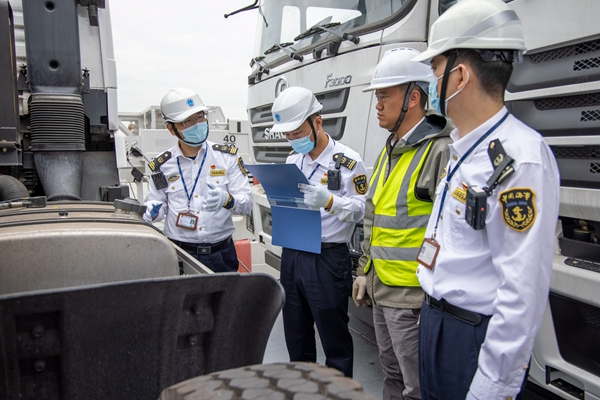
[286, 126]
[426, 56]
[184, 115]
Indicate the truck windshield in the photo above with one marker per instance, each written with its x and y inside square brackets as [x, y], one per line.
[281, 21]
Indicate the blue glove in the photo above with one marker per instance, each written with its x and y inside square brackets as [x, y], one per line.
[152, 210]
[315, 196]
[217, 197]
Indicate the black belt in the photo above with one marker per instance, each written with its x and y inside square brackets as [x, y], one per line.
[461, 314]
[331, 245]
[203, 248]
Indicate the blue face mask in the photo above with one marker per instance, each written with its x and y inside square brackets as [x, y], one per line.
[303, 145]
[434, 100]
[196, 134]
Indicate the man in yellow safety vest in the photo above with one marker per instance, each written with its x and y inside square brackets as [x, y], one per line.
[398, 207]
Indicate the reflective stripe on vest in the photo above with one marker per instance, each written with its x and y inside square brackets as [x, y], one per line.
[400, 219]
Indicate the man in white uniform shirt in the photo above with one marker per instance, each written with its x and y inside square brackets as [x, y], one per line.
[197, 185]
[486, 260]
[317, 286]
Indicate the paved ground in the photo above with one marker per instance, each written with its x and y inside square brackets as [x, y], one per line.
[367, 368]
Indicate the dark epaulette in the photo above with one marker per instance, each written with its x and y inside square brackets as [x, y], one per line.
[346, 161]
[225, 148]
[159, 160]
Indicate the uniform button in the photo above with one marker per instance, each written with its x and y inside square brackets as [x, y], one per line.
[172, 187]
[344, 220]
[509, 398]
[197, 211]
[458, 211]
[196, 195]
[332, 212]
[200, 228]
[194, 162]
[217, 181]
[455, 157]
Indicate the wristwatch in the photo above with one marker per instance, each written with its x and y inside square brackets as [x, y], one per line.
[230, 202]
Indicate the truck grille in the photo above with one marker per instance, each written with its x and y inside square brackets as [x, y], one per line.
[567, 51]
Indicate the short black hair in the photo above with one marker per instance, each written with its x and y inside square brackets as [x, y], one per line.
[493, 75]
[423, 98]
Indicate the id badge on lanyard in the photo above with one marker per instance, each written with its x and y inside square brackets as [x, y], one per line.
[186, 220]
[428, 253]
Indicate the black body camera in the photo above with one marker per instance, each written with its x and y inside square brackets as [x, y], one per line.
[160, 182]
[476, 207]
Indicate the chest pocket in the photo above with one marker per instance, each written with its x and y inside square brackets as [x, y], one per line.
[176, 196]
[460, 236]
[218, 176]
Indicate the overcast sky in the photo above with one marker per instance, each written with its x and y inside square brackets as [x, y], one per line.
[161, 44]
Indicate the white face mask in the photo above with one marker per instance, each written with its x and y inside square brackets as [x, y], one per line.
[455, 93]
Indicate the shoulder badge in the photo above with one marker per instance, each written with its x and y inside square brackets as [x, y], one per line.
[225, 148]
[156, 162]
[173, 178]
[443, 175]
[346, 161]
[518, 208]
[360, 184]
[241, 165]
[292, 152]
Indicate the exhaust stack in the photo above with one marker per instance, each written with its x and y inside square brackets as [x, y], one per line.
[56, 108]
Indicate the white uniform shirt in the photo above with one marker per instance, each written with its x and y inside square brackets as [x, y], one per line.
[498, 270]
[223, 170]
[338, 224]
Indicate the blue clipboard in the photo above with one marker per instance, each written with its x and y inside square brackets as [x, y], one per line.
[295, 225]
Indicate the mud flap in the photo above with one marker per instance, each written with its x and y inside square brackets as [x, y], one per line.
[130, 340]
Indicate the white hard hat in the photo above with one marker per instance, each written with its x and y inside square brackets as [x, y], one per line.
[293, 106]
[475, 24]
[180, 103]
[396, 68]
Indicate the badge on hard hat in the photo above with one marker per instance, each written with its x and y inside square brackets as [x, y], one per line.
[190, 103]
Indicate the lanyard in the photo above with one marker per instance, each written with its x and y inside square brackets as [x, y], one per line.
[451, 174]
[314, 170]
[189, 195]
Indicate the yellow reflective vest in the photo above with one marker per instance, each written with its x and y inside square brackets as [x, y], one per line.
[400, 218]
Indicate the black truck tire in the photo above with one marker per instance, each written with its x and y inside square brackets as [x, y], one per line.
[280, 381]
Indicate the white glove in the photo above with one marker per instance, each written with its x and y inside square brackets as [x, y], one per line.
[359, 292]
[315, 196]
[152, 210]
[217, 197]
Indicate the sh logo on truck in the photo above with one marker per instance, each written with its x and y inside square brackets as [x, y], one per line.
[331, 82]
[270, 135]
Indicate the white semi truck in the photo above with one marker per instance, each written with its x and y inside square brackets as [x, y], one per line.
[332, 48]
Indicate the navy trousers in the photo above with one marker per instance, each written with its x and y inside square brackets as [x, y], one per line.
[448, 354]
[317, 288]
[223, 260]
